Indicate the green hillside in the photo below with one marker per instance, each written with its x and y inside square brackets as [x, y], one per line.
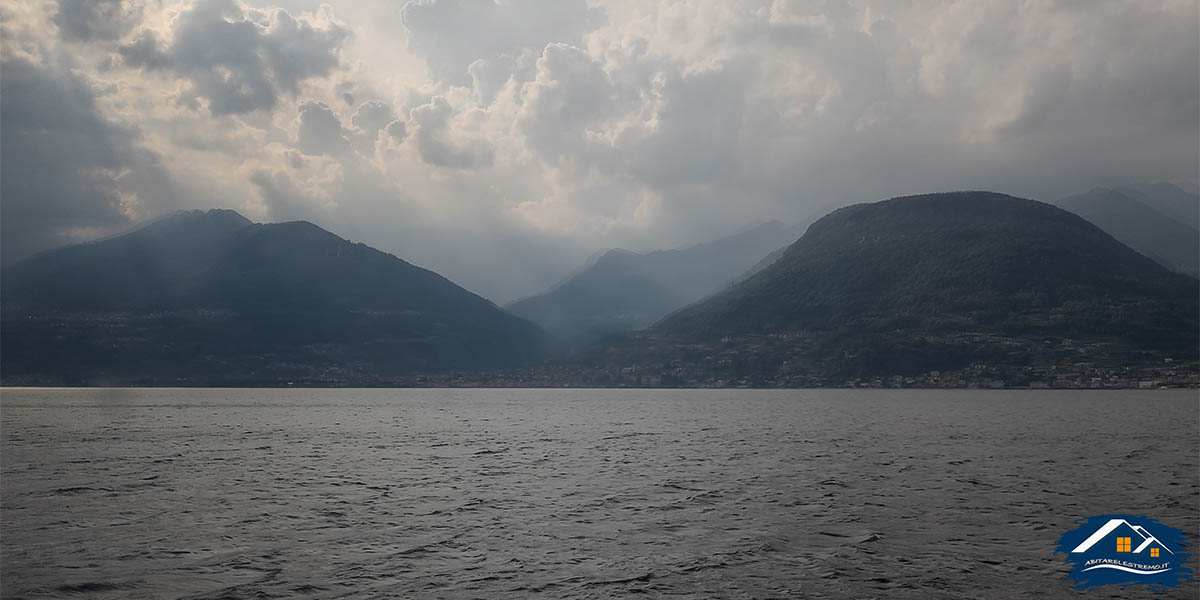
[931, 283]
[209, 297]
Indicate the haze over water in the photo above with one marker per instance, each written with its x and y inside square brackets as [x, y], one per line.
[225, 493]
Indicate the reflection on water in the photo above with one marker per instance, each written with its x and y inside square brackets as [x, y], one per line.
[576, 493]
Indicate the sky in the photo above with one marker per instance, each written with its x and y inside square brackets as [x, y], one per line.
[503, 142]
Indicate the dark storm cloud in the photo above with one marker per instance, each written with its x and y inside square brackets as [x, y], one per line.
[237, 60]
[65, 168]
[85, 20]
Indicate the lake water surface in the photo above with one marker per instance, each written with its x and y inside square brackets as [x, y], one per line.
[221, 493]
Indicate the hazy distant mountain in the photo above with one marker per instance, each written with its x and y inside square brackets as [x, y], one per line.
[211, 297]
[1169, 199]
[1160, 231]
[623, 290]
[931, 282]
[766, 261]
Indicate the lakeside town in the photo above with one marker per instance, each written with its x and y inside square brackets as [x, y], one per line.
[979, 376]
[1063, 364]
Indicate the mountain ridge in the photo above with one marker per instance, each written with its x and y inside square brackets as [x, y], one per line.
[253, 291]
[622, 290]
[927, 283]
[1131, 219]
[907, 217]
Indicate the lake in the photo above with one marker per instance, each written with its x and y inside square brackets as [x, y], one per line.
[226, 493]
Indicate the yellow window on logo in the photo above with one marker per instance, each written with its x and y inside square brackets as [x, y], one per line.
[1154, 552]
[1124, 544]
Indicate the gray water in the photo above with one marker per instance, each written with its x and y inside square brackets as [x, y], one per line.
[172, 493]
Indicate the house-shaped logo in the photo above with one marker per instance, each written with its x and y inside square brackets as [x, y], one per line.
[1125, 550]
[1116, 528]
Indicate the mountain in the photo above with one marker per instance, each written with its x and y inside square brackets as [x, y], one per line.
[622, 290]
[766, 261]
[212, 298]
[1128, 217]
[912, 285]
[1168, 199]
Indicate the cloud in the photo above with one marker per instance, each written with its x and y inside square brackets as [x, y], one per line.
[68, 174]
[144, 52]
[436, 141]
[570, 99]
[285, 200]
[528, 134]
[397, 131]
[372, 116]
[292, 186]
[369, 119]
[320, 131]
[85, 20]
[452, 34]
[490, 75]
[240, 60]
